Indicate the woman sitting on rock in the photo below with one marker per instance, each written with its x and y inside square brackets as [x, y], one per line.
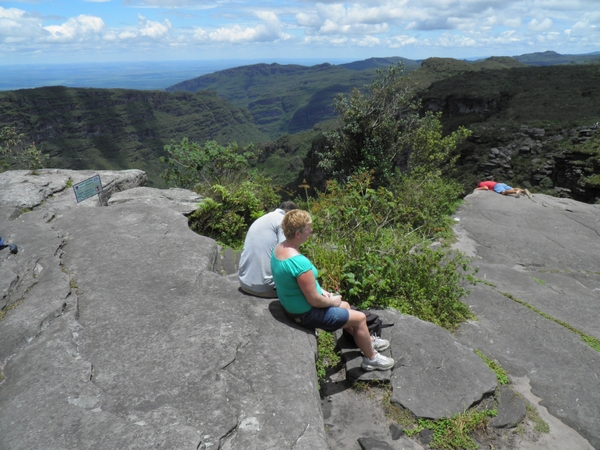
[312, 307]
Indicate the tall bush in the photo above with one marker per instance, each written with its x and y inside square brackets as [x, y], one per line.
[234, 195]
[192, 165]
[372, 245]
[382, 131]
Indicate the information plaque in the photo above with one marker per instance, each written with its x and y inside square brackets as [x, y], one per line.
[87, 188]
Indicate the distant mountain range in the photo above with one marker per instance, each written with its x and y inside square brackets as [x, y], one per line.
[284, 108]
[289, 98]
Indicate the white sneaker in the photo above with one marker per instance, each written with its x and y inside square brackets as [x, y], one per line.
[379, 344]
[380, 362]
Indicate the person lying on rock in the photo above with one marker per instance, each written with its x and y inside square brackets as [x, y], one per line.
[501, 188]
[311, 307]
[254, 269]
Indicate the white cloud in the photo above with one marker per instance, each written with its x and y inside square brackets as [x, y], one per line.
[188, 4]
[76, 29]
[544, 25]
[151, 29]
[452, 40]
[402, 41]
[270, 30]
[16, 25]
[314, 26]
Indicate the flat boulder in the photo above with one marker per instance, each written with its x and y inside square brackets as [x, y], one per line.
[435, 375]
[182, 200]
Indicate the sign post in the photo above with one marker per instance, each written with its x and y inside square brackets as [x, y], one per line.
[87, 188]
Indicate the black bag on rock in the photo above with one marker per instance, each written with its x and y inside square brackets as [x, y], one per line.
[374, 323]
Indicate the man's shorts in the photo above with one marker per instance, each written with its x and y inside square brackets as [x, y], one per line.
[500, 187]
[272, 293]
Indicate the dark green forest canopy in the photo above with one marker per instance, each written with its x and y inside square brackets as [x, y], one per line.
[562, 94]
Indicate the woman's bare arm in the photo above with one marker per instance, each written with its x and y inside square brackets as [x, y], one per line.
[308, 285]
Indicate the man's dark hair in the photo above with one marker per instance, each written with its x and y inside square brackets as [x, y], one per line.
[288, 206]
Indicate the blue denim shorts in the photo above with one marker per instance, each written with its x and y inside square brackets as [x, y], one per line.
[328, 319]
[500, 187]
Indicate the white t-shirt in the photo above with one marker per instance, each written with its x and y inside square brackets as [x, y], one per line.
[255, 262]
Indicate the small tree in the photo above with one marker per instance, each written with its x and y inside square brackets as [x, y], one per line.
[382, 131]
[15, 152]
[191, 164]
[234, 195]
[429, 152]
[368, 137]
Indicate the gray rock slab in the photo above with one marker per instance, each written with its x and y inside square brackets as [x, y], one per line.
[141, 345]
[559, 437]
[32, 281]
[562, 295]
[436, 376]
[544, 232]
[369, 443]
[562, 368]
[511, 409]
[21, 189]
[181, 200]
[354, 415]
[543, 252]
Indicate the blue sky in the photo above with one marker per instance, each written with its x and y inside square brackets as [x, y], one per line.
[70, 31]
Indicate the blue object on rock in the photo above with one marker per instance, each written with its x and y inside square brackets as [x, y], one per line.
[13, 248]
[1, 241]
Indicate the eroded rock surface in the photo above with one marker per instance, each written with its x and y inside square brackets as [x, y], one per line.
[120, 331]
[539, 295]
[119, 334]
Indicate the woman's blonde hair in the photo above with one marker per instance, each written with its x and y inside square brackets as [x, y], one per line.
[293, 221]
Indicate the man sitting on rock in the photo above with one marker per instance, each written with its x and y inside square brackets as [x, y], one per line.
[501, 188]
[255, 262]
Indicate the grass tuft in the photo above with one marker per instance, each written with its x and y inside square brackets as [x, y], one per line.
[501, 374]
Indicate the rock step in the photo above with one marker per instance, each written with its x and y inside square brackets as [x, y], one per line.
[226, 261]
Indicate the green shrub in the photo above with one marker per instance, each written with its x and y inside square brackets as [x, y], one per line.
[327, 356]
[373, 247]
[16, 153]
[453, 433]
[228, 211]
[190, 164]
[381, 130]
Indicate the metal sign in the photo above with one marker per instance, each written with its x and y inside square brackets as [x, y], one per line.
[87, 188]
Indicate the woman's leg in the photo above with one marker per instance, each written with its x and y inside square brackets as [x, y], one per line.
[357, 326]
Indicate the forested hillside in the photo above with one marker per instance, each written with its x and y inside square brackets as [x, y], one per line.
[118, 128]
[290, 98]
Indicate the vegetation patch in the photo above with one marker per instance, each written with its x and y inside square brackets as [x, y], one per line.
[501, 374]
[537, 280]
[373, 246]
[327, 355]
[9, 308]
[454, 433]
